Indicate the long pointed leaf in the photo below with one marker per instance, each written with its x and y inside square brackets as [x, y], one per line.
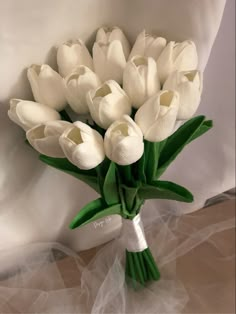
[94, 211]
[87, 176]
[165, 190]
[206, 126]
[110, 192]
[152, 154]
[177, 141]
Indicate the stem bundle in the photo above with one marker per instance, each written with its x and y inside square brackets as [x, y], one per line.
[140, 268]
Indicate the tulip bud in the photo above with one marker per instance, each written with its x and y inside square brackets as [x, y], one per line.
[140, 80]
[148, 46]
[28, 114]
[47, 86]
[156, 118]
[189, 86]
[77, 85]
[177, 57]
[109, 60]
[83, 146]
[108, 103]
[124, 141]
[106, 35]
[72, 54]
[45, 137]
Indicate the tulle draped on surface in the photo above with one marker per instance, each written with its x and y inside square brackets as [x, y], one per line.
[195, 254]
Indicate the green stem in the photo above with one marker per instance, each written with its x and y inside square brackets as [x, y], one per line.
[132, 270]
[140, 257]
[151, 264]
[138, 267]
[125, 174]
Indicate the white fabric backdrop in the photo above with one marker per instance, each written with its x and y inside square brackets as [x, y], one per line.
[36, 202]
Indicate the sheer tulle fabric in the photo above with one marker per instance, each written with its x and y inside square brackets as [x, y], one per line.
[50, 278]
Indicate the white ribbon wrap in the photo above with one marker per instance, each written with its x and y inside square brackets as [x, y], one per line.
[133, 234]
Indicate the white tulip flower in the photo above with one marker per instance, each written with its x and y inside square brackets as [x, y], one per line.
[72, 54]
[45, 137]
[124, 141]
[47, 86]
[140, 80]
[28, 114]
[106, 35]
[108, 103]
[189, 86]
[83, 146]
[177, 57]
[157, 117]
[77, 85]
[148, 46]
[109, 60]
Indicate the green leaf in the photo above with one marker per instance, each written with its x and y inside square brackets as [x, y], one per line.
[94, 211]
[165, 190]
[152, 154]
[87, 176]
[110, 192]
[206, 126]
[177, 141]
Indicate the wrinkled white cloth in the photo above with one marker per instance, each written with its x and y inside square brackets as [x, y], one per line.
[37, 202]
[195, 255]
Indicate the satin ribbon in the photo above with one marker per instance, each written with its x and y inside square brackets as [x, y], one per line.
[133, 234]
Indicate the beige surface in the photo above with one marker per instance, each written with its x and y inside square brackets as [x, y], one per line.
[207, 266]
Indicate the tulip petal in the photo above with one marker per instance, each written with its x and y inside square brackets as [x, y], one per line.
[51, 88]
[128, 151]
[112, 108]
[163, 127]
[116, 61]
[77, 85]
[186, 57]
[101, 36]
[117, 34]
[189, 86]
[153, 83]
[30, 113]
[45, 138]
[99, 61]
[134, 85]
[49, 146]
[138, 48]
[55, 128]
[32, 74]
[88, 155]
[148, 46]
[148, 113]
[72, 54]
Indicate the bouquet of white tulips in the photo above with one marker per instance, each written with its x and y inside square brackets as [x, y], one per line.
[131, 102]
